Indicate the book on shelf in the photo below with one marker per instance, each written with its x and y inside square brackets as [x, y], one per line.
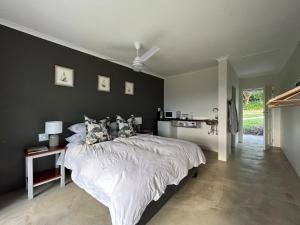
[37, 149]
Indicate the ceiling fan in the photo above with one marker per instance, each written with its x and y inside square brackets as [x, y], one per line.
[138, 62]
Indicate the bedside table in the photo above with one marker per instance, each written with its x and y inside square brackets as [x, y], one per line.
[43, 177]
[145, 131]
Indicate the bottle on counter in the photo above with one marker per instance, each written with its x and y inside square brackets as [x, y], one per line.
[160, 114]
[191, 116]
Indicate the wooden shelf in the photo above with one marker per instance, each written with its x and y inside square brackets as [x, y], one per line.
[50, 149]
[46, 176]
[145, 131]
[285, 99]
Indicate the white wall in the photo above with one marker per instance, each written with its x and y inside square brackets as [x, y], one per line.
[195, 92]
[290, 116]
[271, 80]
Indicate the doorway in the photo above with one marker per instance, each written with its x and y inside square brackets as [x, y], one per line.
[233, 136]
[253, 117]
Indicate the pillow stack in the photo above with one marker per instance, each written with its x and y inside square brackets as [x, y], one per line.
[80, 133]
[92, 131]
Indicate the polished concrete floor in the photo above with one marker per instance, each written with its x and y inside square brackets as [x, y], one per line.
[254, 187]
[257, 140]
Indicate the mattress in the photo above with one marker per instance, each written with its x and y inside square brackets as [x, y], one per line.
[126, 174]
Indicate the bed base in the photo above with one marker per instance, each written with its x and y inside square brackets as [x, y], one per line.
[155, 206]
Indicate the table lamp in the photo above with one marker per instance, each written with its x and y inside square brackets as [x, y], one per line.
[53, 128]
[138, 121]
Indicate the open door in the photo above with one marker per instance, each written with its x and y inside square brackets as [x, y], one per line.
[253, 117]
[233, 136]
[267, 118]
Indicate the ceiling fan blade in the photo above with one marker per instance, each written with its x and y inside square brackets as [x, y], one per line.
[146, 69]
[112, 60]
[149, 53]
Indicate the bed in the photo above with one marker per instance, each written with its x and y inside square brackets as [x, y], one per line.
[133, 176]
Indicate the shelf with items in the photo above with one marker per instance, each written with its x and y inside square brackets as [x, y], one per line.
[43, 177]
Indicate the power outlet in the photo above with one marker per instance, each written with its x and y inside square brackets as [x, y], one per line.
[43, 137]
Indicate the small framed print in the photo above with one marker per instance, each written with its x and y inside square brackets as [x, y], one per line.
[64, 76]
[129, 88]
[103, 83]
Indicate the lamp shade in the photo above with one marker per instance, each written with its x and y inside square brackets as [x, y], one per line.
[138, 120]
[53, 127]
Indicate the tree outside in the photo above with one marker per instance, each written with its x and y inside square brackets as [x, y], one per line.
[253, 101]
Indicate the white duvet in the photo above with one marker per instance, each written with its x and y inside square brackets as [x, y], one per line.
[128, 173]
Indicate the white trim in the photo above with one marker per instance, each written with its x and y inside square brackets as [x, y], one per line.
[260, 74]
[191, 73]
[66, 44]
[222, 58]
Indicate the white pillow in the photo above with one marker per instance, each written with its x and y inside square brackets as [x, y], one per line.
[76, 138]
[78, 128]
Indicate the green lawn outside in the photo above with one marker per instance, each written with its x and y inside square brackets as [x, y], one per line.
[253, 115]
[253, 105]
[257, 122]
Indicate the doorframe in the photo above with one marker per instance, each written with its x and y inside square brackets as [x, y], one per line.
[268, 139]
[233, 97]
[266, 96]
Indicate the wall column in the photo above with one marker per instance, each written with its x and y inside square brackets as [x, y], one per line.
[240, 133]
[223, 152]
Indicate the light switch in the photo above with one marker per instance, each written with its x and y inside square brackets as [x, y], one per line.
[43, 137]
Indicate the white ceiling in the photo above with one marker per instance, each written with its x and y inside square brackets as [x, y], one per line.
[257, 35]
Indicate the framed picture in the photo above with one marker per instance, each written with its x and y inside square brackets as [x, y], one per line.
[129, 88]
[64, 76]
[103, 83]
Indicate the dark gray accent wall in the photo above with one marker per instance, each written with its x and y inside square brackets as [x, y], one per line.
[28, 96]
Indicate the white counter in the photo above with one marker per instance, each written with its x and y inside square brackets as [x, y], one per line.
[199, 136]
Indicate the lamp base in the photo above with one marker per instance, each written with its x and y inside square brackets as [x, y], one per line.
[53, 140]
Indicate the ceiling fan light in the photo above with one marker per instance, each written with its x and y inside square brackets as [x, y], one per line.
[138, 62]
[137, 67]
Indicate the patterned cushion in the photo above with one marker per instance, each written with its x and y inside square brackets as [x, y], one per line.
[96, 131]
[125, 128]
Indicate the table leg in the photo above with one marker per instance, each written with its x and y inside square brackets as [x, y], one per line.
[56, 158]
[30, 177]
[26, 174]
[62, 170]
